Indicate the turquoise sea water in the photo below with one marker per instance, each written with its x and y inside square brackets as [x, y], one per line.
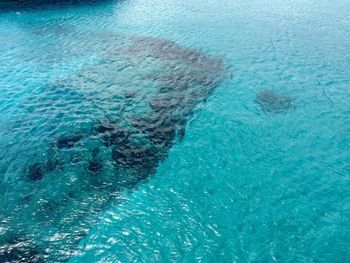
[181, 131]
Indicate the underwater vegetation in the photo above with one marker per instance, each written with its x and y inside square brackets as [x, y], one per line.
[108, 126]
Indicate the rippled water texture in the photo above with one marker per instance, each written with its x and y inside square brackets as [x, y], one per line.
[175, 131]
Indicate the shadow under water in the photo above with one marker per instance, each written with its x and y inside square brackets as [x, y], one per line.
[119, 117]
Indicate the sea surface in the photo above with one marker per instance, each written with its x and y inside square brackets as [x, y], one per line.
[175, 131]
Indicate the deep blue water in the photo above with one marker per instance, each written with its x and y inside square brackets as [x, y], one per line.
[181, 131]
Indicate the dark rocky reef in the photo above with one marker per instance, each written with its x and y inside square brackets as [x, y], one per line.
[35, 172]
[20, 250]
[105, 126]
[68, 141]
[136, 157]
[95, 152]
[126, 154]
[110, 132]
[160, 128]
[272, 102]
[95, 165]
[145, 110]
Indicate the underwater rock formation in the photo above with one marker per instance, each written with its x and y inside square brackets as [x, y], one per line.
[111, 134]
[273, 102]
[17, 250]
[131, 156]
[69, 141]
[35, 172]
[95, 166]
[130, 107]
[105, 126]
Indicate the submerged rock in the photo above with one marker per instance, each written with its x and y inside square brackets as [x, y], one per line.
[110, 133]
[106, 126]
[160, 127]
[95, 166]
[95, 152]
[35, 172]
[181, 134]
[171, 81]
[135, 157]
[51, 164]
[20, 250]
[76, 157]
[69, 141]
[117, 136]
[273, 102]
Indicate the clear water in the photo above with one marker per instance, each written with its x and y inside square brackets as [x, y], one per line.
[255, 166]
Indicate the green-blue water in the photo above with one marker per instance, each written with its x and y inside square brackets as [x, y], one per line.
[237, 123]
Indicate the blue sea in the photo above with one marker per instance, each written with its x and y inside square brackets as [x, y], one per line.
[175, 131]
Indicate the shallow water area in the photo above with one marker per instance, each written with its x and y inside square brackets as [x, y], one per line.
[175, 130]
